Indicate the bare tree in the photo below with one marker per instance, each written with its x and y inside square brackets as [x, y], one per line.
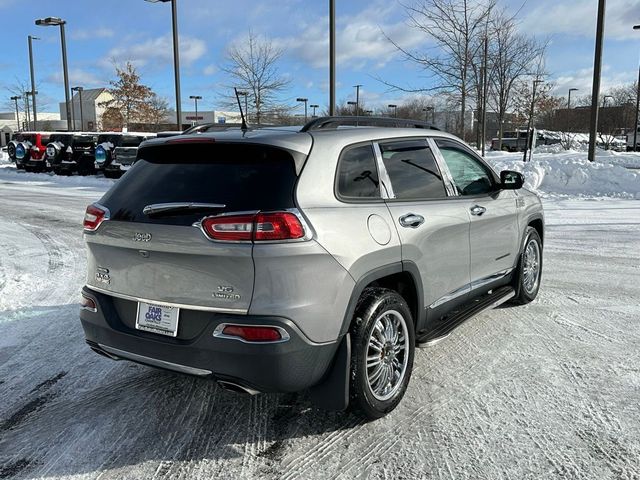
[251, 65]
[455, 27]
[129, 97]
[156, 110]
[513, 56]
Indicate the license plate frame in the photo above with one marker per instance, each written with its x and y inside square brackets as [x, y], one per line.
[158, 318]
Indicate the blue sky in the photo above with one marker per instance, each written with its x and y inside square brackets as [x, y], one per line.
[101, 32]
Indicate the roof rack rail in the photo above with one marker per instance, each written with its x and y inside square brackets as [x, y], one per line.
[328, 123]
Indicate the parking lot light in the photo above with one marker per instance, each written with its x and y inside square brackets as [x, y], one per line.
[58, 22]
[305, 100]
[33, 82]
[195, 98]
[314, 106]
[79, 90]
[15, 99]
[395, 109]
[176, 56]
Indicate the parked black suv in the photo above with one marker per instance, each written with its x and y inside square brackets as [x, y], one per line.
[71, 152]
[124, 154]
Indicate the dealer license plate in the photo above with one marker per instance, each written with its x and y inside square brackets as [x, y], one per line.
[156, 318]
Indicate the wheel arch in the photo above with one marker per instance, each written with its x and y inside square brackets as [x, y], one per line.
[402, 277]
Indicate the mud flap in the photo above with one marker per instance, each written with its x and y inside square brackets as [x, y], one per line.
[333, 392]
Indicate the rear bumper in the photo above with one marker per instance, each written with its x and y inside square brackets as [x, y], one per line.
[288, 366]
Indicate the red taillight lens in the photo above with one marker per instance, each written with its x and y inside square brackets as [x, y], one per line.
[234, 228]
[93, 217]
[253, 334]
[259, 227]
[278, 226]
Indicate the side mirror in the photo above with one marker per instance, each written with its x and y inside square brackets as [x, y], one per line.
[511, 180]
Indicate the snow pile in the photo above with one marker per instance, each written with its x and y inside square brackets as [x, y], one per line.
[571, 174]
[9, 173]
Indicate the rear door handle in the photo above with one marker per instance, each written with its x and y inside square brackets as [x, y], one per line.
[411, 220]
[477, 210]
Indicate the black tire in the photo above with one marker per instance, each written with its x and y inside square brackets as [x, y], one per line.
[526, 293]
[11, 151]
[370, 311]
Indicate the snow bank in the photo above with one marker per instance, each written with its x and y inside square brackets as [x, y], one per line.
[8, 173]
[571, 174]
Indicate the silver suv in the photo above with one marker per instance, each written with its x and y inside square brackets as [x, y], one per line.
[280, 260]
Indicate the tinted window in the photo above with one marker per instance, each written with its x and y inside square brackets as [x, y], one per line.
[83, 140]
[412, 170]
[131, 141]
[113, 138]
[357, 173]
[64, 139]
[242, 177]
[470, 176]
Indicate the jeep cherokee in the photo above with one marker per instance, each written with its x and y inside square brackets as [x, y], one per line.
[280, 260]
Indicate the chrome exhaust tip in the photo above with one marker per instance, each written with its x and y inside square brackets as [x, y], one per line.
[234, 387]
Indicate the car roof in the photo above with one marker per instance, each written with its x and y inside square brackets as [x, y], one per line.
[291, 138]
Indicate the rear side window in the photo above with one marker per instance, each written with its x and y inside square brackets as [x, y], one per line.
[413, 170]
[131, 141]
[357, 173]
[241, 177]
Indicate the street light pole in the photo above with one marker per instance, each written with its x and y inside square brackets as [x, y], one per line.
[395, 109]
[595, 92]
[15, 99]
[79, 90]
[635, 123]
[569, 106]
[305, 100]
[26, 110]
[195, 98]
[530, 124]
[314, 110]
[73, 112]
[58, 22]
[33, 82]
[176, 57]
[332, 57]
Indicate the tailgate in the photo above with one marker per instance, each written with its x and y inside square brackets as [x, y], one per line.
[170, 264]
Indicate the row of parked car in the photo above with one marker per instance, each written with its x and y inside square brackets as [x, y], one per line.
[85, 153]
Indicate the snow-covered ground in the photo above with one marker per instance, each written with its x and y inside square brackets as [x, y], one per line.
[548, 390]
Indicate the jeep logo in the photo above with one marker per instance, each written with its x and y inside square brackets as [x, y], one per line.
[142, 237]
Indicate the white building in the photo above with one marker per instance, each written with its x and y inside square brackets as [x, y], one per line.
[88, 116]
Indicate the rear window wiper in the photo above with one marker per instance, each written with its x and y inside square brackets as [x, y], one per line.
[176, 208]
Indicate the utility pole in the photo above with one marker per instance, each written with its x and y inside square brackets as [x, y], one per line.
[595, 92]
[332, 57]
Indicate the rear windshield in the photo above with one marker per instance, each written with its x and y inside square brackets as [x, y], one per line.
[62, 138]
[242, 177]
[112, 138]
[131, 141]
[83, 140]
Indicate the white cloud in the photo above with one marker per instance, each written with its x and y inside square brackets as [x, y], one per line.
[360, 39]
[210, 70]
[583, 81]
[158, 49]
[81, 77]
[578, 17]
[101, 32]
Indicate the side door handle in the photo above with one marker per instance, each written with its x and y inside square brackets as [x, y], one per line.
[477, 210]
[411, 220]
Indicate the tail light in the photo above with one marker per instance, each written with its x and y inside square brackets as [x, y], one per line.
[94, 216]
[251, 333]
[88, 304]
[273, 226]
